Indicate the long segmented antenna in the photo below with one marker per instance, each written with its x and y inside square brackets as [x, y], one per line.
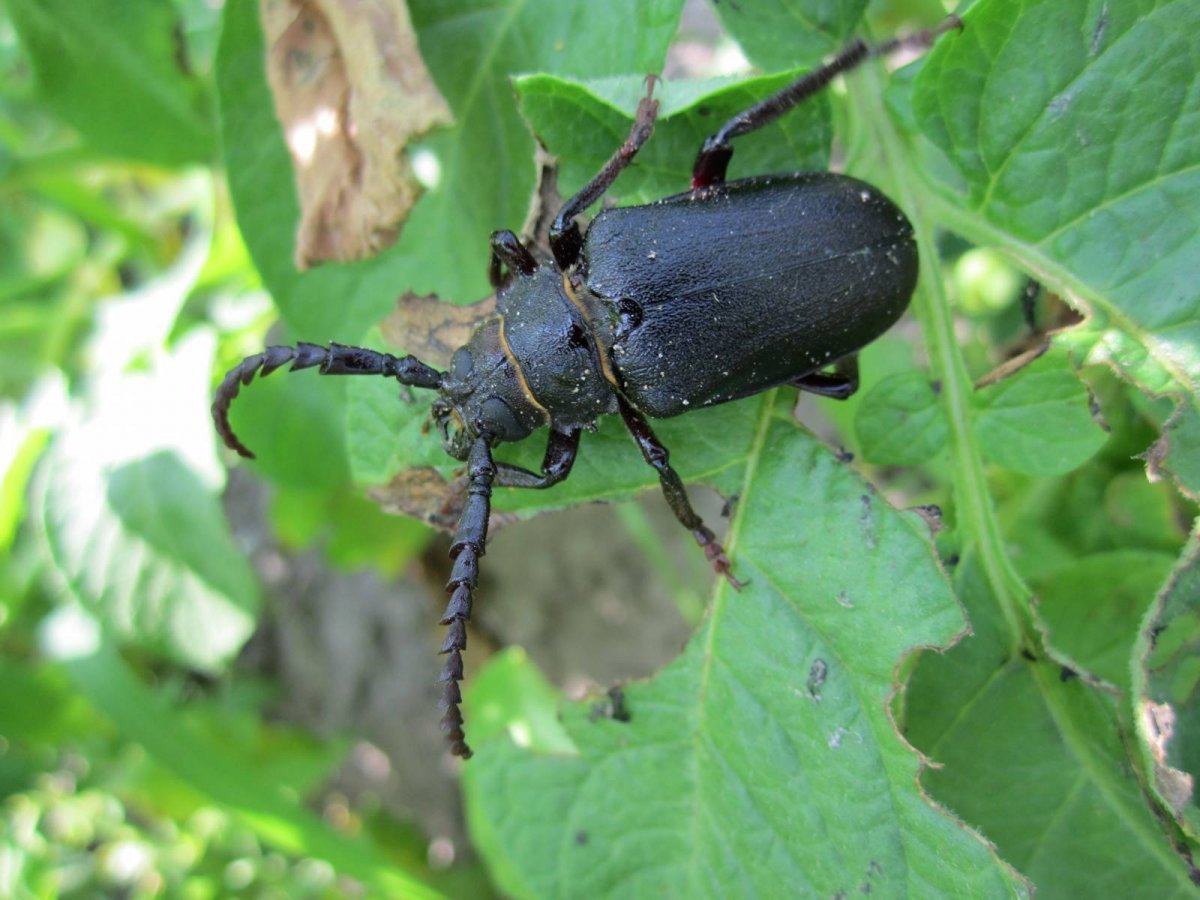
[469, 540]
[336, 359]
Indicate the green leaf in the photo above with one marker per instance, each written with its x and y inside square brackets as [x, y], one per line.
[293, 427]
[1143, 514]
[582, 123]
[1095, 98]
[900, 423]
[1036, 760]
[1038, 421]
[41, 707]
[472, 48]
[19, 452]
[1166, 677]
[133, 525]
[812, 28]
[512, 697]
[765, 755]
[1177, 453]
[116, 71]
[1093, 607]
[353, 530]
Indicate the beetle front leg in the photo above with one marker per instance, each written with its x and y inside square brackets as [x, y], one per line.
[565, 239]
[468, 546]
[713, 158]
[658, 456]
[561, 449]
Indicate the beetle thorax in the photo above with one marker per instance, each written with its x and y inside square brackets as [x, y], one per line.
[551, 342]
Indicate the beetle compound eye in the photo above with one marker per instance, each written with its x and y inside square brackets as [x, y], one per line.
[497, 417]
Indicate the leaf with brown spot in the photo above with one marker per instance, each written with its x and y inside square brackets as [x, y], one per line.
[432, 330]
[1166, 683]
[423, 493]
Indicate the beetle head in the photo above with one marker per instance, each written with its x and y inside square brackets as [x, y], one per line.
[484, 394]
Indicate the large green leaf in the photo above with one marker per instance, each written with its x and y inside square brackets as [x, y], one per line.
[1070, 124]
[1037, 760]
[117, 71]
[765, 756]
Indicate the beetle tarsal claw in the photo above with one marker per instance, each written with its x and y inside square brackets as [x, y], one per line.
[715, 554]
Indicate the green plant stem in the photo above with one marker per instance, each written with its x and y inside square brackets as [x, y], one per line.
[976, 512]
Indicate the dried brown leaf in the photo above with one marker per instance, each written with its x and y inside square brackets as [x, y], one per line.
[351, 91]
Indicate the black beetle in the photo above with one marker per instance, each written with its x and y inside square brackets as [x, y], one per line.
[785, 274]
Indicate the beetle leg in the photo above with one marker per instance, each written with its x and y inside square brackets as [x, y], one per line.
[658, 456]
[565, 239]
[508, 251]
[469, 540]
[561, 449]
[714, 155]
[337, 359]
[840, 384]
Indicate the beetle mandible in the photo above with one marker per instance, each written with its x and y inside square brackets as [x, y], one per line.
[797, 272]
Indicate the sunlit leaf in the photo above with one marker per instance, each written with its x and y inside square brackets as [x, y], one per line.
[765, 755]
[134, 528]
